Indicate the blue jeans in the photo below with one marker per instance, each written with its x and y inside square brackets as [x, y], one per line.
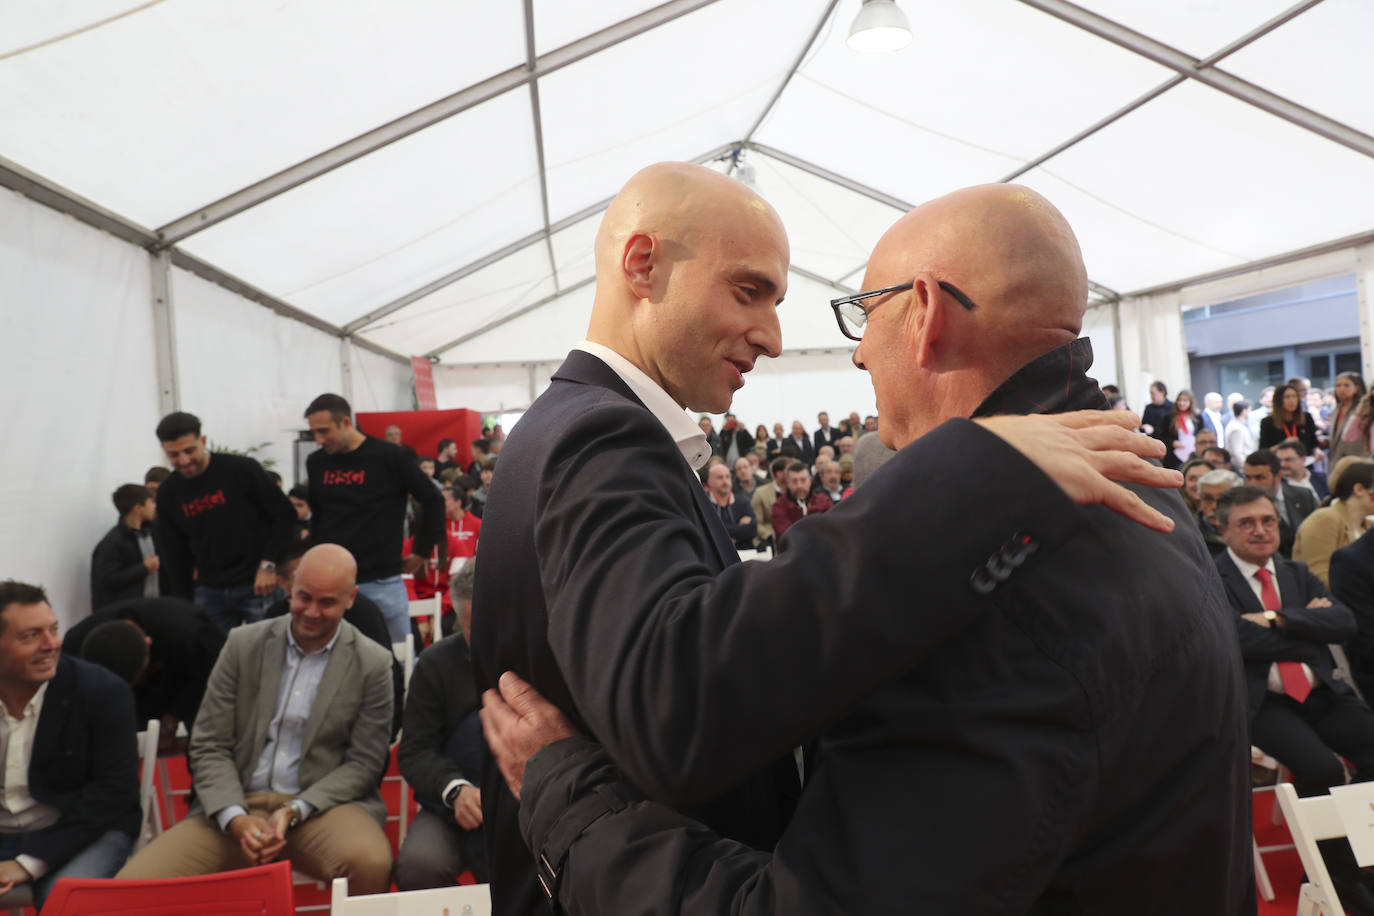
[390, 595]
[229, 607]
[101, 859]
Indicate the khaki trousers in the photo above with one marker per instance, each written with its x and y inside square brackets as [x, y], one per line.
[343, 842]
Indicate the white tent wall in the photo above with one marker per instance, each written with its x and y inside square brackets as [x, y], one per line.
[1099, 326]
[81, 400]
[1151, 329]
[492, 388]
[376, 382]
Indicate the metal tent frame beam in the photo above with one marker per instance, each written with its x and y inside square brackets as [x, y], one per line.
[532, 63]
[418, 120]
[543, 235]
[1192, 68]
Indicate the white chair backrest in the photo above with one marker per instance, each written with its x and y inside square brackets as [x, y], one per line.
[405, 654]
[459, 900]
[147, 752]
[432, 608]
[1310, 820]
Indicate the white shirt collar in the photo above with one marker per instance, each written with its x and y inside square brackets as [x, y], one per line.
[1248, 569]
[691, 441]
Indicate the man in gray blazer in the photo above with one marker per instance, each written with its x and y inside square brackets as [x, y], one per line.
[289, 745]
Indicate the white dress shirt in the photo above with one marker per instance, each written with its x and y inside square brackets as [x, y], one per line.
[691, 441]
[20, 812]
[1248, 570]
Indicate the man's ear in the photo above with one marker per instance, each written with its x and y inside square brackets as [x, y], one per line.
[637, 262]
[929, 309]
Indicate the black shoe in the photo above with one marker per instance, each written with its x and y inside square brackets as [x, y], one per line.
[1355, 896]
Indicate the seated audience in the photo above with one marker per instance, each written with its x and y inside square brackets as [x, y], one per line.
[1210, 488]
[1294, 503]
[480, 447]
[447, 457]
[70, 806]
[744, 483]
[462, 530]
[828, 474]
[797, 502]
[799, 440]
[1216, 457]
[735, 514]
[393, 435]
[1240, 440]
[1204, 440]
[1299, 713]
[756, 468]
[125, 562]
[1293, 459]
[1193, 471]
[1352, 584]
[765, 495]
[1332, 527]
[477, 500]
[440, 756]
[735, 438]
[300, 501]
[262, 792]
[163, 647]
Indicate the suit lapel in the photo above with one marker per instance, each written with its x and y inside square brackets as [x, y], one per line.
[336, 670]
[710, 521]
[270, 660]
[1290, 590]
[1240, 589]
[57, 702]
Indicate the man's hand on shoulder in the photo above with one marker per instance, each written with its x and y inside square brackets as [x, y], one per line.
[518, 722]
[1085, 451]
[12, 874]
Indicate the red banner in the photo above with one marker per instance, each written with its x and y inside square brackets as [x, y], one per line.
[424, 383]
[422, 429]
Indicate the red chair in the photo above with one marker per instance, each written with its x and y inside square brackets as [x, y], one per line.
[261, 891]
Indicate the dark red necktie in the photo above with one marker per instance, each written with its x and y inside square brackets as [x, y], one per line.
[1295, 682]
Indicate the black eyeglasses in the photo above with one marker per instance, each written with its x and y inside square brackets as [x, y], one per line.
[851, 316]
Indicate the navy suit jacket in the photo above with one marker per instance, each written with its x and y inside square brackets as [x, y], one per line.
[1352, 584]
[1303, 637]
[84, 762]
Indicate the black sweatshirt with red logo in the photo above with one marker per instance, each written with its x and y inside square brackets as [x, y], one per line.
[358, 500]
[223, 523]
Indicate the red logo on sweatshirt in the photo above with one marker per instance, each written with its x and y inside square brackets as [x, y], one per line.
[345, 478]
[203, 504]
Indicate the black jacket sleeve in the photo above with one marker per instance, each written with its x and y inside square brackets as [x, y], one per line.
[276, 510]
[421, 756]
[174, 555]
[685, 700]
[1352, 584]
[115, 569]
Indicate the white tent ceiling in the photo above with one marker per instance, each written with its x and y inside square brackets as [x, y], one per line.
[427, 176]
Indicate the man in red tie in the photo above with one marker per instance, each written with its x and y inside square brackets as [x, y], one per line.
[1299, 713]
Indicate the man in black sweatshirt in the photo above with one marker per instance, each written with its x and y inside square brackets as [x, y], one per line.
[223, 520]
[358, 488]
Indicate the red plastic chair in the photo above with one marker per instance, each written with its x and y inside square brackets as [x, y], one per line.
[261, 891]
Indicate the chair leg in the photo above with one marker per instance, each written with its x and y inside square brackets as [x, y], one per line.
[1262, 883]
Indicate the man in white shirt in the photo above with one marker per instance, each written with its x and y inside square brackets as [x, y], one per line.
[1299, 713]
[69, 806]
[1214, 415]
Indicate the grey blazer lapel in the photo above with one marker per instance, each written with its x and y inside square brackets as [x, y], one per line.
[336, 672]
[269, 661]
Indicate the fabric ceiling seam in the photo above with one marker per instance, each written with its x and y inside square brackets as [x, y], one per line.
[817, 278]
[1251, 36]
[89, 27]
[531, 61]
[487, 260]
[1213, 77]
[523, 310]
[833, 177]
[415, 121]
[1312, 251]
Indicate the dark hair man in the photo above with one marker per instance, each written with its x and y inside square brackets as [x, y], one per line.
[125, 562]
[764, 498]
[1073, 692]
[289, 746]
[735, 514]
[358, 488]
[798, 502]
[154, 477]
[70, 805]
[1210, 487]
[447, 457]
[221, 517]
[168, 644]
[1218, 458]
[1300, 714]
[825, 434]
[1292, 455]
[441, 755]
[1294, 503]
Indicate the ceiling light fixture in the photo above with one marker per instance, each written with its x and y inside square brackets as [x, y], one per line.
[879, 28]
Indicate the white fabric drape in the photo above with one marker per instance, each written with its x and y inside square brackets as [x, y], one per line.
[1152, 346]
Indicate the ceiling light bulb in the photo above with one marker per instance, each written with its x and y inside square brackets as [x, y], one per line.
[879, 28]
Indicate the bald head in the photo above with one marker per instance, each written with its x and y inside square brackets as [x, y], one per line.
[329, 563]
[321, 592]
[690, 266]
[1010, 252]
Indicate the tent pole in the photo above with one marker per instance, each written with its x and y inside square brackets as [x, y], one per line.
[346, 369]
[1364, 291]
[164, 333]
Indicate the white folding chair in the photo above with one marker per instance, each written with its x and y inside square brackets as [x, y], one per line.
[1342, 670]
[459, 900]
[1281, 774]
[433, 608]
[405, 653]
[1310, 820]
[147, 794]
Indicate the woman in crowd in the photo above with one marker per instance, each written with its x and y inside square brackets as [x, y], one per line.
[1288, 420]
[1154, 419]
[1332, 527]
[1240, 441]
[765, 445]
[1350, 397]
[1183, 426]
[1193, 471]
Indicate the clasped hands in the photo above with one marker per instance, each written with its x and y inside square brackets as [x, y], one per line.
[261, 839]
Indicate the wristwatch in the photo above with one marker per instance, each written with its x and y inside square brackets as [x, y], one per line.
[295, 813]
[1272, 617]
[267, 566]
